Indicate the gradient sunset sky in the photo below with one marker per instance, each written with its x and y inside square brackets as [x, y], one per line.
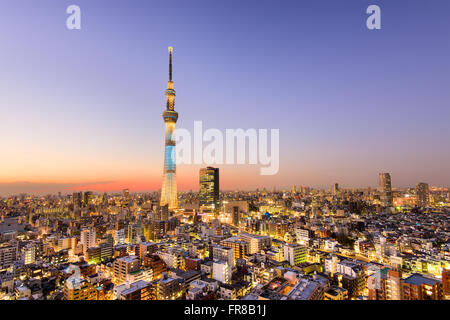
[81, 110]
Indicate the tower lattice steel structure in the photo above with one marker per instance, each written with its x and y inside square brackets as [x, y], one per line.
[169, 186]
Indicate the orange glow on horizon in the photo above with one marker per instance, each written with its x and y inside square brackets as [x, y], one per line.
[231, 178]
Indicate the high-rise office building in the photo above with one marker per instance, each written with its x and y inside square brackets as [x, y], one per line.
[209, 188]
[169, 186]
[30, 215]
[87, 198]
[386, 190]
[131, 234]
[236, 215]
[77, 199]
[423, 194]
[335, 188]
[88, 239]
[164, 213]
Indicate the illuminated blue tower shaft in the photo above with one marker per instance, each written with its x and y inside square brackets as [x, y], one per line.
[169, 186]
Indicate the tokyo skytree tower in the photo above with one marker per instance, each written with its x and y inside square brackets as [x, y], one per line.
[169, 186]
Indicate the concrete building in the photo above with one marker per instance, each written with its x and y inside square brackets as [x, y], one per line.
[420, 287]
[88, 239]
[294, 253]
[221, 271]
[223, 254]
[8, 254]
[123, 266]
[255, 242]
[385, 284]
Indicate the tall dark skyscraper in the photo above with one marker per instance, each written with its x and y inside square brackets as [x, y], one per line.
[87, 198]
[335, 188]
[236, 215]
[169, 187]
[386, 190]
[209, 188]
[423, 194]
[77, 199]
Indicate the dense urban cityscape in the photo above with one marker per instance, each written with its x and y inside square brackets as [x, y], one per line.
[298, 244]
[303, 243]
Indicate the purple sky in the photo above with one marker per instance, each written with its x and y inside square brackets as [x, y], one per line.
[83, 108]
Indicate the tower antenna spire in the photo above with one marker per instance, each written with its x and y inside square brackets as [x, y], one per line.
[169, 195]
[170, 63]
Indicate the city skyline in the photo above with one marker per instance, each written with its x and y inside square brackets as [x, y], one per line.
[68, 189]
[297, 154]
[85, 114]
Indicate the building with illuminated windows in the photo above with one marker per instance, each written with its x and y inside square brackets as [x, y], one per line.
[236, 216]
[88, 239]
[386, 197]
[173, 257]
[156, 264]
[169, 288]
[77, 199]
[256, 243]
[420, 287]
[446, 283]
[79, 289]
[335, 293]
[335, 188]
[294, 253]
[8, 254]
[209, 188]
[423, 195]
[139, 290]
[87, 198]
[224, 254]
[385, 284]
[124, 266]
[221, 271]
[29, 254]
[240, 247]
